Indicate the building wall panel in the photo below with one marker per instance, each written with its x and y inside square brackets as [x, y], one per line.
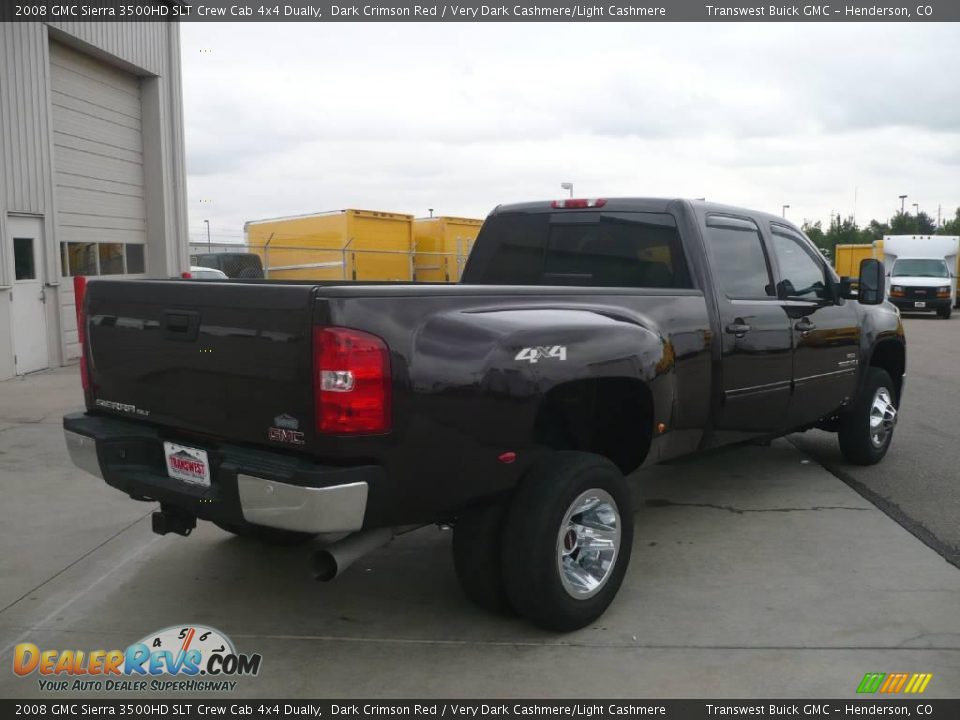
[109, 116]
[24, 148]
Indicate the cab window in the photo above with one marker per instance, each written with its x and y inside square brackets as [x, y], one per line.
[802, 275]
[738, 258]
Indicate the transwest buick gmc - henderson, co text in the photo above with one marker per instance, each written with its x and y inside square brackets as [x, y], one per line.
[587, 338]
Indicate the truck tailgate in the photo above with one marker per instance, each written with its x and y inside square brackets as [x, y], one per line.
[226, 360]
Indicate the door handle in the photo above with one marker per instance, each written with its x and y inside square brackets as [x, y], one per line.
[738, 328]
[805, 326]
[183, 325]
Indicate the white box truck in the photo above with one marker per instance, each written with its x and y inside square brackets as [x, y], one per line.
[921, 272]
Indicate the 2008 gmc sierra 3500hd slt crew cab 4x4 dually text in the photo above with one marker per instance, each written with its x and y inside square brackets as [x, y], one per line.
[586, 339]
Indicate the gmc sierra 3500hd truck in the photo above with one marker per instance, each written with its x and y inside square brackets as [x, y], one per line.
[587, 338]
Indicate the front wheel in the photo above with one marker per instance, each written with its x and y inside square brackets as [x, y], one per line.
[945, 312]
[567, 540]
[866, 431]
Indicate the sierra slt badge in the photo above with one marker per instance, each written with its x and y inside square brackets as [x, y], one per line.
[121, 407]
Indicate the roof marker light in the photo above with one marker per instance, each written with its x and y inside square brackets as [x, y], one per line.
[578, 203]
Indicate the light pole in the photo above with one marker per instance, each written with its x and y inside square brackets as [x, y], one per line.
[431, 211]
[902, 199]
[916, 209]
[567, 186]
[784, 211]
[208, 234]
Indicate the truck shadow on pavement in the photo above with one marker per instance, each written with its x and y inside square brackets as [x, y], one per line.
[749, 547]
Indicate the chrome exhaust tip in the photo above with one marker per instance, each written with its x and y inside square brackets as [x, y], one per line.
[331, 561]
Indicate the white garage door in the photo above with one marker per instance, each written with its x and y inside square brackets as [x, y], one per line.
[98, 172]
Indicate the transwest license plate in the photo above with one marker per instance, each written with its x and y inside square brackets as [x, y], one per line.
[919, 304]
[188, 464]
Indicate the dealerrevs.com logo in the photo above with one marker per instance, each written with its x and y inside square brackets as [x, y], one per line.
[188, 658]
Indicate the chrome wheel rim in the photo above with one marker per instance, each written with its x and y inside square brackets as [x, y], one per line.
[588, 543]
[883, 417]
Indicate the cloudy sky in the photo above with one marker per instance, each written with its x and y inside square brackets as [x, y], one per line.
[292, 118]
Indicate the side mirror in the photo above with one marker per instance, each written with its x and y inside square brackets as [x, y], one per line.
[848, 288]
[872, 282]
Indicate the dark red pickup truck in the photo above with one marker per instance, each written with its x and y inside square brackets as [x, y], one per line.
[588, 338]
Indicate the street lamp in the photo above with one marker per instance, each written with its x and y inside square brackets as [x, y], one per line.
[567, 186]
[431, 211]
[784, 210]
[902, 198]
[916, 209]
[208, 234]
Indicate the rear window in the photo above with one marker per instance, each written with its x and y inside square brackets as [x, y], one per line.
[235, 265]
[590, 249]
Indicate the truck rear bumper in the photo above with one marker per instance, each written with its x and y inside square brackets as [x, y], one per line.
[253, 486]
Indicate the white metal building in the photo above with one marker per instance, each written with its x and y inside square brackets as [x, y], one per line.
[92, 177]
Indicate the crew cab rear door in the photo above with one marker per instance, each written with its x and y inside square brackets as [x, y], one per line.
[755, 331]
[826, 332]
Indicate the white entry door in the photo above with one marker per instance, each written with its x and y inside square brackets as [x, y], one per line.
[25, 248]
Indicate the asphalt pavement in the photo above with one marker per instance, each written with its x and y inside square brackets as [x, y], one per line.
[755, 573]
[918, 482]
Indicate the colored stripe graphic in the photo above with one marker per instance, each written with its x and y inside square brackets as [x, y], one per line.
[871, 682]
[893, 683]
[919, 681]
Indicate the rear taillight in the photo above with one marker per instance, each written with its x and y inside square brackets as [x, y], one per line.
[578, 203]
[186, 275]
[352, 389]
[79, 293]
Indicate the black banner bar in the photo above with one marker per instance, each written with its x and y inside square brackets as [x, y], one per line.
[472, 11]
[191, 708]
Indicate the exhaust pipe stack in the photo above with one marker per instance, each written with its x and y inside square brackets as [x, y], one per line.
[332, 560]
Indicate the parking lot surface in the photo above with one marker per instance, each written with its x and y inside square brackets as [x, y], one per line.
[919, 480]
[755, 572]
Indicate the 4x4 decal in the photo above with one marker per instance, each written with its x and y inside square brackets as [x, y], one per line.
[535, 354]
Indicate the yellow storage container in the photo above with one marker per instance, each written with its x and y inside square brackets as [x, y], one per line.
[337, 245]
[846, 258]
[441, 246]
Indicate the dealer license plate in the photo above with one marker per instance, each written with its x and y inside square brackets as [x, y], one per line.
[919, 304]
[188, 464]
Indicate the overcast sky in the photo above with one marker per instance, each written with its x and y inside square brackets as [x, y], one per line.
[292, 118]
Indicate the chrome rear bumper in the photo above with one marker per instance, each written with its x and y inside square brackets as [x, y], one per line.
[323, 500]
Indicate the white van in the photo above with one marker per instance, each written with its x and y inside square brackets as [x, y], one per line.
[921, 272]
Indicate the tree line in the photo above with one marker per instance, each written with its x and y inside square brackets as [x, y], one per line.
[847, 232]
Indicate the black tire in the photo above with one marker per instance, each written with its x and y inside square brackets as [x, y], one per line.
[476, 557]
[531, 539]
[856, 440]
[945, 312]
[266, 535]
